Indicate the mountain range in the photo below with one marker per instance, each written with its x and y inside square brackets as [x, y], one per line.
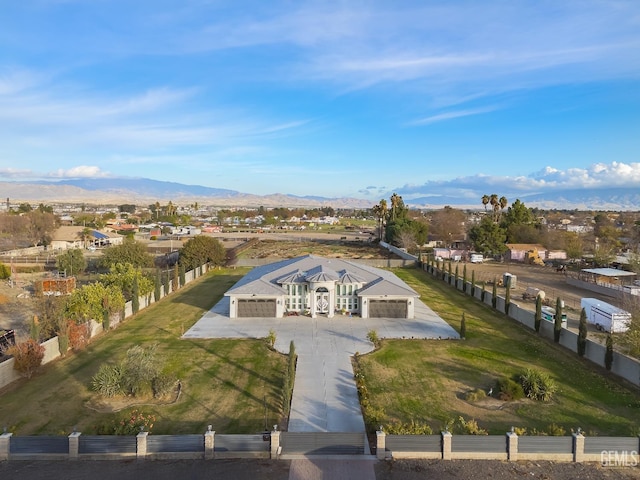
[147, 191]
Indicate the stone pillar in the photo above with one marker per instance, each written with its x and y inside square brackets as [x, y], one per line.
[446, 446]
[512, 446]
[5, 441]
[141, 445]
[578, 447]
[275, 444]
[381, 445]
[74, 444]
[209, 443]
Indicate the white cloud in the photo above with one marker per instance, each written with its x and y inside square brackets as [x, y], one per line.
[15, 173]
[451, 115]
[549, 179]
[81, 171]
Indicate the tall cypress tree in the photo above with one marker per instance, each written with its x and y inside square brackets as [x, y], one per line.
[538, 317]
[135, 296]
[166, 283]
[494, 298]
[582, 333]
[473, 283]
[182, 275]
[557, 325]
[455, 278]
[608, 354]
[507, 299]
[175, 278]
[156, 285]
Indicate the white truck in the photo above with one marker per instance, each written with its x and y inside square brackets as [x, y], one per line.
[604, 316]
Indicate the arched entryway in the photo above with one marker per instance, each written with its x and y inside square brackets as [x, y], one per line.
[322, 300]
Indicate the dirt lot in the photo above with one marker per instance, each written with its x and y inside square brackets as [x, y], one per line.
[553, 283]
[17, 305]
[279, 470]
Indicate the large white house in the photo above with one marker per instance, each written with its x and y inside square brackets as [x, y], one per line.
[317, 286]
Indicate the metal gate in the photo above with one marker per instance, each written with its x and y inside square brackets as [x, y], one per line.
[323, 443]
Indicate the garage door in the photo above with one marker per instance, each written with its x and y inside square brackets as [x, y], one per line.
[256, 308]
[388, 309]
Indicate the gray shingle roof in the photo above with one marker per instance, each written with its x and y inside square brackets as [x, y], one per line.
[268, 279]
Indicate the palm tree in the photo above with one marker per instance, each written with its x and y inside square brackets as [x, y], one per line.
[380, 211]
[495, 204]
[85, 235]
[485, 201]
[171, 209]
[395, 201]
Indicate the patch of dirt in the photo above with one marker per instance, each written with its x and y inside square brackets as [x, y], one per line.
[102, 404]
[325, 248]
[17, 304]
[494, 469]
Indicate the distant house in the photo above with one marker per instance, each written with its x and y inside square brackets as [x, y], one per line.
[319, 286]
[69, 237]
[522, 252]
[517, 252]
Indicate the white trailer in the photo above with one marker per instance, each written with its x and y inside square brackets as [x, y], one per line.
[476, 258]
[606, 317]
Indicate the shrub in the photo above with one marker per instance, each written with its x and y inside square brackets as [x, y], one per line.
[162, 385]
[5, 271]
[509, 390]
[556, 430]
[372, 336]
[475, 395]
[271, 338]
[79, 335]
[108, 381]
[538, 385]
[411, 428]
[128, 424]
[27, 357]
[468, 427]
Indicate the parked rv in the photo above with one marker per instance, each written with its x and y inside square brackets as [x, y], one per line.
[549, 314]
[606, 317]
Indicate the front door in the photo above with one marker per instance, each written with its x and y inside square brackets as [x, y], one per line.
[322, 302]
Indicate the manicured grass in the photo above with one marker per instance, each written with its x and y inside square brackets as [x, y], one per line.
[426, 380]
[224, 382]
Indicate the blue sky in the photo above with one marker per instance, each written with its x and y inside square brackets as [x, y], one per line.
[347, 98]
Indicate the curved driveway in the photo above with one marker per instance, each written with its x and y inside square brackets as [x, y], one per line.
[325, 398]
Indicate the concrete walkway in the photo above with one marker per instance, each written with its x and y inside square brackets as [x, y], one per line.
[325, 398]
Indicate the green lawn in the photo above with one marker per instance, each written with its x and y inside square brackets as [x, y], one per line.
[224, 382]
[426, 380]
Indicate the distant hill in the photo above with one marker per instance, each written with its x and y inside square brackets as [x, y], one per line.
[146, 191]
[580, 199]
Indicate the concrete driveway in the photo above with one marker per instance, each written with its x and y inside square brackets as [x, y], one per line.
[325, 398]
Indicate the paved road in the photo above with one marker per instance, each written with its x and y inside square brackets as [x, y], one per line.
[325, 398]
